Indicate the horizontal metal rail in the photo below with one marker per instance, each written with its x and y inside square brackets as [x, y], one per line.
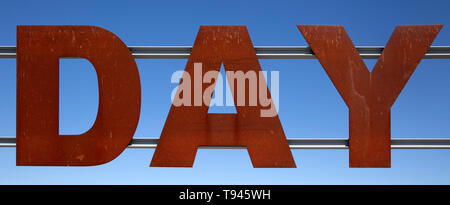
[262, 52]
[299, 143]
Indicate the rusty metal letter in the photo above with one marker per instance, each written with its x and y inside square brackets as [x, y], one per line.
[38, 51]
[369, 95]
[188, 127]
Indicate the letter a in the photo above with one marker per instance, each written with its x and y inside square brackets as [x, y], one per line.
[188, 127]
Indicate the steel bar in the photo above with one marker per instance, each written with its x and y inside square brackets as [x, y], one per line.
[262, 52]
[296, 143]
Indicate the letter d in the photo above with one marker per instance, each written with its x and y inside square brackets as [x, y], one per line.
[38, 51]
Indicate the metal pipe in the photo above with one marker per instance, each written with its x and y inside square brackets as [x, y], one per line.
[262, 52]
[297, 143]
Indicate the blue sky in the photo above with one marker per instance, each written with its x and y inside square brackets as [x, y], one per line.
[310, 106]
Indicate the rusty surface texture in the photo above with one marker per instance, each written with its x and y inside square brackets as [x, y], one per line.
[369, 95]
[38, 51]
[188, 127]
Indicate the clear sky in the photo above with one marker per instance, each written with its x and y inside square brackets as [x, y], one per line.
[310, 106]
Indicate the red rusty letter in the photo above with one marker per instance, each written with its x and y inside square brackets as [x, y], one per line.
[370, 95]
[188, 126]
[38, 51]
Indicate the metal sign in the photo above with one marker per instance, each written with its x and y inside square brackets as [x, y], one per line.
[255, 126]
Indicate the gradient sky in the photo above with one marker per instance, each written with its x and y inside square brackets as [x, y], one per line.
[310, 106]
